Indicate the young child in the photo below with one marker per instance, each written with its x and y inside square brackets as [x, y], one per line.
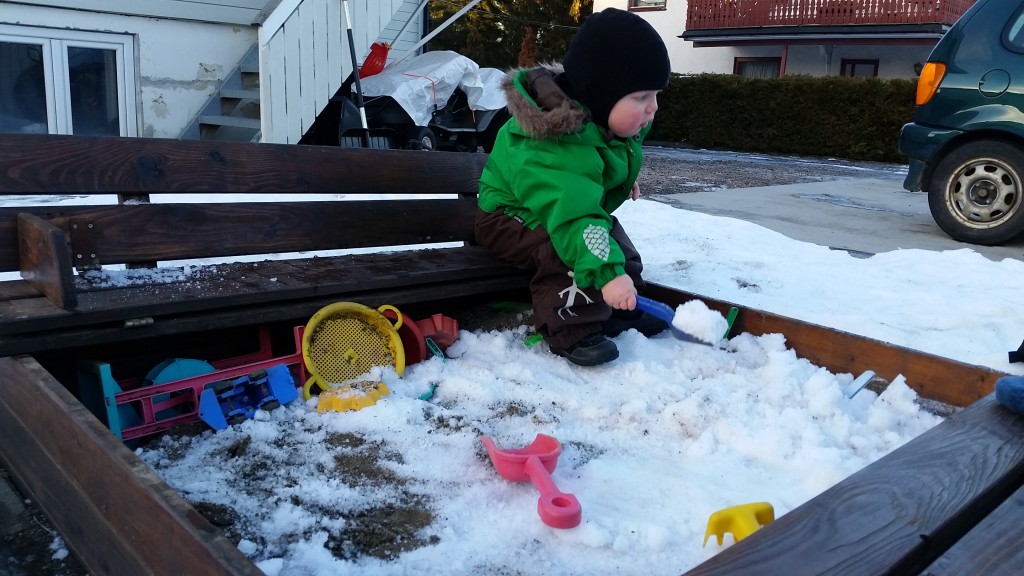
[566, 160]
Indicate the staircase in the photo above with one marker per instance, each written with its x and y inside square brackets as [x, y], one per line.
[233, 114]
[296, 92]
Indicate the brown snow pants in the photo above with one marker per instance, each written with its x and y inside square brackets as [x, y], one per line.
[563, 312]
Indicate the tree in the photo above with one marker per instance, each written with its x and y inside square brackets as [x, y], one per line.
[528, 48]
[496, 32]
[576, 9]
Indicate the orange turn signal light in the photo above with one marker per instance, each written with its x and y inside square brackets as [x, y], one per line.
[931, 76]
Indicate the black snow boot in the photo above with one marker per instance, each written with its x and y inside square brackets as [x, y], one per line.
[590, 351]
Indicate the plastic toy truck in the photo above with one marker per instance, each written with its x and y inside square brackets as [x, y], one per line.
[229, 402]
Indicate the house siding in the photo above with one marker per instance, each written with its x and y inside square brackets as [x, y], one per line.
[180, 64]
[218, 11]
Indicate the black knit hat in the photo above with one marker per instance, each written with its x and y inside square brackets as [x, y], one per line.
[614, 54]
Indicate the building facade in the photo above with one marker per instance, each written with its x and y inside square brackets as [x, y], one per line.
[879, 38]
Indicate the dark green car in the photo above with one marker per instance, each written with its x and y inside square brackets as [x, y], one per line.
[966, 143]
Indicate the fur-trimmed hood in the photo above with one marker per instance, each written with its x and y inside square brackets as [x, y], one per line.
[541, 107]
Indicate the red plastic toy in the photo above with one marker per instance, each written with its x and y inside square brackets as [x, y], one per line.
[413, 340]
[535, 463]
[133, 408]
[375, 60]
[443, 330]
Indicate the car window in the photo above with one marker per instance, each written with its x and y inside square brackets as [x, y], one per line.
[978, 41]
[1015, 31]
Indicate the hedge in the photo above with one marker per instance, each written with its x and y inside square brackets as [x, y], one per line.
[833, 116]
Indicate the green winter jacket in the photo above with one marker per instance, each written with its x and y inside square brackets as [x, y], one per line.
[551, 166]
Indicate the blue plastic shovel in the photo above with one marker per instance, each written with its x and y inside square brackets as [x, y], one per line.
[665, 312]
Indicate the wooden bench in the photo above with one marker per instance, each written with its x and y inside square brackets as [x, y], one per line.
[93, 488]
[54, 307]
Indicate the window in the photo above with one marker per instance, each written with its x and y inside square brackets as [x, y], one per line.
[645, 5]
[1015, 32]
[860, 68]
[67, 82]
[757, 67]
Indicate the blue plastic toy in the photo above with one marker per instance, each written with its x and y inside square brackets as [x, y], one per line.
[230, 402]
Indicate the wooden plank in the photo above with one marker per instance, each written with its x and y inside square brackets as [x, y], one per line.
[324, 88]
[933, 377]
[49, 164]
[112, 510]
[995, 547]
[10, 247]
[45, 261]
[145, 232]
[149, 232]
[899, 514]
[221, 288]
[364, 25]
[338, 62]
[273, 17]
[15, 289]
[292, 34]
[272, 87]
[309, 106]
[298, 311]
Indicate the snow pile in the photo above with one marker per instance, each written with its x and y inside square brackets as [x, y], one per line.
[653, 443]
[695, 318]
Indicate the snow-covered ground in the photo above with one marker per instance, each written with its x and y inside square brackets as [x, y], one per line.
[653, 443]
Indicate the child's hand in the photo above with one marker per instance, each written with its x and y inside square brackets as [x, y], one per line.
[636, 191]
[620, 293]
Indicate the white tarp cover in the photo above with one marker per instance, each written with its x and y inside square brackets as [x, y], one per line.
[422, 83]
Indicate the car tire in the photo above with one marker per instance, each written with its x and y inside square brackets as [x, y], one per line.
[975, 193]
[423, 138]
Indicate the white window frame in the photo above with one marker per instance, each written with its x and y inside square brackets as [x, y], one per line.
[739, 61]
[55, 44]
[642, 5]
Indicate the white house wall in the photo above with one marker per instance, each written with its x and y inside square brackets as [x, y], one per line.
[180, 64]
[894, 61]
[218, 11]
[670, 23]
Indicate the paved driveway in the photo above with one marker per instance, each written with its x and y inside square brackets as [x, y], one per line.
[858, 207]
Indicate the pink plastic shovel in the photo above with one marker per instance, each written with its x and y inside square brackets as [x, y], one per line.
[535, 463]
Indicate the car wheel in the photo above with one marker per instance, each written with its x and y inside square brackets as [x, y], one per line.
[423, 138]
[975, 193]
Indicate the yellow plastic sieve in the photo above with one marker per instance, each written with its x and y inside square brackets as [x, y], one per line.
[344, 340]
